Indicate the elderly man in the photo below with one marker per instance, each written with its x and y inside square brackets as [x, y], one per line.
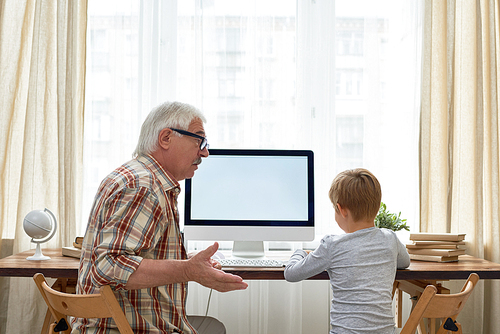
[133, 241]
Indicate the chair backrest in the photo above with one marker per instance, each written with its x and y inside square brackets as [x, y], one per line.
[439, 306]
[101, 305]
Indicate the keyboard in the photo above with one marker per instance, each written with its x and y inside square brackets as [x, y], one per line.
[255, 263]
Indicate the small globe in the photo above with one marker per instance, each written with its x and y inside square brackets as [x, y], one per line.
[41, 227]
[38, 224]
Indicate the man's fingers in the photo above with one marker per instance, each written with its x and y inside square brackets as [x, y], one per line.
[229, 282]
[216, 264]
[224, 282]
[230, 287]
[229, 278]
[209, 251]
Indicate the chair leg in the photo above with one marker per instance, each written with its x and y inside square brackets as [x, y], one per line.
[421, 328]
[432, 326]
[398, 294]
[46, 323]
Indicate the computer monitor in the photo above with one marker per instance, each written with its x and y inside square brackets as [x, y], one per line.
[250, 196]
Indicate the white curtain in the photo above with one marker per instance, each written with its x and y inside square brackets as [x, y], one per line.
[459, 139]
[42, 71]
[340, 78]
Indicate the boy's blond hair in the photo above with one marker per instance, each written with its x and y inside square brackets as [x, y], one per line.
[357, 190]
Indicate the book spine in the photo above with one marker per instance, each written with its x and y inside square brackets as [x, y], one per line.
[436, 246]
[437, 236]
[433, 258]
[439, 252]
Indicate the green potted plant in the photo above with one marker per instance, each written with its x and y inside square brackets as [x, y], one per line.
[389, 220]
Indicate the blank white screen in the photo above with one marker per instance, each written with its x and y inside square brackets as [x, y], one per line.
[250, 188]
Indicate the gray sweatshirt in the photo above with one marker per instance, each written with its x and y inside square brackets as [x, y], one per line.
[362, 267]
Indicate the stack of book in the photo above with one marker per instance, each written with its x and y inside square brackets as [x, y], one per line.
[74, 251]
[436, 247]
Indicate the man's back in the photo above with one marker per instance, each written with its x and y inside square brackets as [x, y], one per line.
[134, 217]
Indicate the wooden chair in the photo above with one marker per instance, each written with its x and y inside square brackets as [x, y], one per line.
[440, 306]
[61, 305]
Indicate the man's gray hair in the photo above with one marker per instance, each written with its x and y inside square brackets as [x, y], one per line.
[166, 115]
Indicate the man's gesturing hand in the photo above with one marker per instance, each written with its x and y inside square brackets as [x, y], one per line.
[201, 269]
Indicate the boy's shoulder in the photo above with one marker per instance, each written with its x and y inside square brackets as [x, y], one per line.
[342, 238]
[389, 234]
[372, 232]
[386, 231]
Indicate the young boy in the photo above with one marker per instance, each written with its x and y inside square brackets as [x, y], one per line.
[361, 263]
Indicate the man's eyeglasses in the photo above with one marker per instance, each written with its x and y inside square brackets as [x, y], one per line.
[203, 143]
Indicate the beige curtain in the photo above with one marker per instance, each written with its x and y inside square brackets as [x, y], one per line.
[42, 71]
[459, 137]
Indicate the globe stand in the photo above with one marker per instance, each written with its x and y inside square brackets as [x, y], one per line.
[38, 254]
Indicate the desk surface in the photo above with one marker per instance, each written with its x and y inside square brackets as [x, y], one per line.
[60, 266]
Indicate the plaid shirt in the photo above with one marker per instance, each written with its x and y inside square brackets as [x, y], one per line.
[134, 217]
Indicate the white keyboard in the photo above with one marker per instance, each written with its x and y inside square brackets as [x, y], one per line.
[256, 263]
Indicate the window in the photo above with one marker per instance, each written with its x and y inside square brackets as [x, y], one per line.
[267, 74]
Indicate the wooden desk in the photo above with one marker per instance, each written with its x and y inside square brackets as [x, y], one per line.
[418, 270]
[411, 280]
[60, 266]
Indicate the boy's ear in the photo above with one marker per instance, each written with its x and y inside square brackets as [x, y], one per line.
[342, 210]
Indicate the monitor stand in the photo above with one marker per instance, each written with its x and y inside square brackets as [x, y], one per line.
[248, 249]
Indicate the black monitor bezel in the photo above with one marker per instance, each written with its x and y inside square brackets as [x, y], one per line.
[255, 152]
